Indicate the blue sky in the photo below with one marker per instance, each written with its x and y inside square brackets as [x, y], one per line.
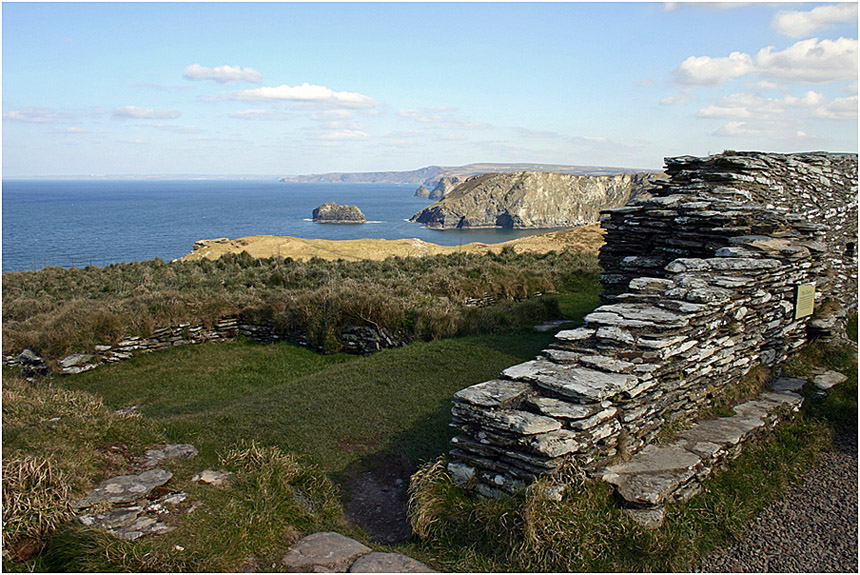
[293, 88]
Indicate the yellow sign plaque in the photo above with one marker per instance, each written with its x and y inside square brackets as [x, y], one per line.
[804, 305]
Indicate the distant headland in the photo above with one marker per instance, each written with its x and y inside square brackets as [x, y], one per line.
[430, 175]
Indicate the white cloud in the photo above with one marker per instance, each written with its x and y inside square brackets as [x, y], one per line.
[307, 94]
[138, 113]
[838, 109]
[789, 108]
[771, 131]
[259, 114]
[345, 135]
[441, 117]
[76, 130]
[707, 71]
[35, 115]
[808, 61]
[223, 74]
[796, 23]
[811, 61]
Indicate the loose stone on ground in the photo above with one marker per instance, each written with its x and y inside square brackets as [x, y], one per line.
[330, 552]
[125, 488]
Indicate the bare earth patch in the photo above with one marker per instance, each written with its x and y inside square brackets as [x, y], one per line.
[377, 500]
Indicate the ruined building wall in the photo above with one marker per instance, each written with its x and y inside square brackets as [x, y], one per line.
[700, 286]
[819, 188]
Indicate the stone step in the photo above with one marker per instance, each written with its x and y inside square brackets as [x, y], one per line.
[662, 473]
[332, 552]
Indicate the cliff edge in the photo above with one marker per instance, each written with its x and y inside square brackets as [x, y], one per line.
[533, 200]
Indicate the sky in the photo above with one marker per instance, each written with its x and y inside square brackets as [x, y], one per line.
[299, 88]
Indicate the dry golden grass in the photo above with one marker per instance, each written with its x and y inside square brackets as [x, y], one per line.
[587, 238]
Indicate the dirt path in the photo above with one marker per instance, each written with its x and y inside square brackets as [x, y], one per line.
[376, 500]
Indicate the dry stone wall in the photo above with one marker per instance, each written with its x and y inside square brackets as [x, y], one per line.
[700, 286]
[817, 188]
[355, 339]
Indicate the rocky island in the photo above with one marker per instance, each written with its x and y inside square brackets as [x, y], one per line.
[332, 213]
[521, 200]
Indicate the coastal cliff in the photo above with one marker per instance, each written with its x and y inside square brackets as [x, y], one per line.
[431, 175]
[533, 200]
[443, 187]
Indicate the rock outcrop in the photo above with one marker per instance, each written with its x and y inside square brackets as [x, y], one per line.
[332, 213]
[532, 200]
[443, 187]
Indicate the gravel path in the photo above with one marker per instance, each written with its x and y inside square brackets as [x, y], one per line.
[813, 529]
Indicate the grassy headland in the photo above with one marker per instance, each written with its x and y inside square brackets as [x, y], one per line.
[583, 239]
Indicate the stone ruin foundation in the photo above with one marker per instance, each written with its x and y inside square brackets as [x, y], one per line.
[701, 284]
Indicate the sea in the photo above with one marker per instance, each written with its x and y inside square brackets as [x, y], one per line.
[79, 223]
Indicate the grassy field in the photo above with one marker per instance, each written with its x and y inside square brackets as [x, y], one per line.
[284, 418]
[331, 409]
[287, 421]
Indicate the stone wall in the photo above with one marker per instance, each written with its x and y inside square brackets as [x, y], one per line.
[355, 339]
[819, 188]
[700, 286]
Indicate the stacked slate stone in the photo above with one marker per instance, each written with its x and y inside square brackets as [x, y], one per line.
[355, 339]
[167, 337]
[701, 288]
[819, 187]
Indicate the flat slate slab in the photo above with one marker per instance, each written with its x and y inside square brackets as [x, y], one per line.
[125, 488]
[330, 552]
[828, 379]
[171, 451]
[377, 562]
[653, 474]
[493, 393]
[580, 383]
[660, 473]
[322, 552]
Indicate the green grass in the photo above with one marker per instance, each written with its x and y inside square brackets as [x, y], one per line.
[308, 418]
[332, 409]
[286, 420]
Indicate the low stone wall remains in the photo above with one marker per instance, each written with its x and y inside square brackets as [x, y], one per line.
[701, 285]
[355, 339]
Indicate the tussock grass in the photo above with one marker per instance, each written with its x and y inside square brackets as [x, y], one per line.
[36, 496]
[55, 443]
[272, 501]
[57, 311]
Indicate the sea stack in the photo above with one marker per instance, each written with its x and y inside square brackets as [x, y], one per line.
[332, 213]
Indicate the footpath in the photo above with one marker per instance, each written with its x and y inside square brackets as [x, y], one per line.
[812, 529]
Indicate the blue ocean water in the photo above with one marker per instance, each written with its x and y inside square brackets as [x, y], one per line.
[76, 223]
